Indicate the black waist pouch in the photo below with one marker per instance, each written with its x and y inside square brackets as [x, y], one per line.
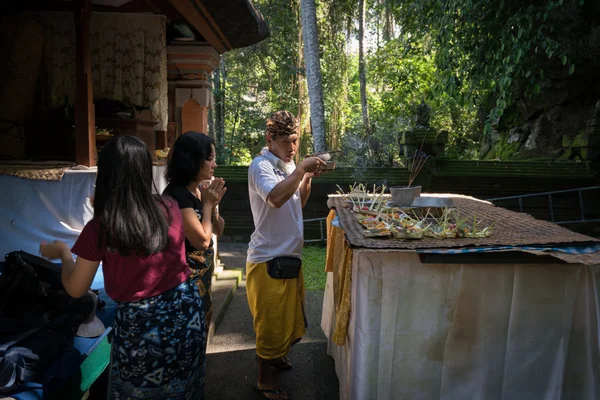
[284, 267]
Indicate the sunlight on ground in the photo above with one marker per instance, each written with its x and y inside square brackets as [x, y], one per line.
[240, 340]
[241, 343]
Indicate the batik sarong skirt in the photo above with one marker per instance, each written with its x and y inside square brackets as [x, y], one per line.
[159, 346]
[202, 267]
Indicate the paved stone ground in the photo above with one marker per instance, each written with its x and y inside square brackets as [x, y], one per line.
[231, 364]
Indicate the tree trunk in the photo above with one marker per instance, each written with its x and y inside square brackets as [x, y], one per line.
[349, 26]
[235, 124]
[211, 114]
[211, 123]
[362, 73]
[333, 127]
[301, 94]
[388, 28]
[220, 105]
[308, 11]
[378, 25]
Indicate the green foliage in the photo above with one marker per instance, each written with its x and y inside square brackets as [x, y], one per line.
[469, 60]
[313, 267]
[268, 77]
[237, 155]
[404, 73]
[260, 79]
[501, 47]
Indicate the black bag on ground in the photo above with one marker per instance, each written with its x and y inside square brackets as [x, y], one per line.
[38, 323]
[284, 267]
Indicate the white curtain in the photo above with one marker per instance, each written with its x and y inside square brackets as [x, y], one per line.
[441, 331]
[129, 59]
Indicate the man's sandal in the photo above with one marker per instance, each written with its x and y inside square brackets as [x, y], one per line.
[283, 363]
[266, 392]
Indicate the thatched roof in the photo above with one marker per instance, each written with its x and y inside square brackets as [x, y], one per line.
[239, 21]
[225, 24]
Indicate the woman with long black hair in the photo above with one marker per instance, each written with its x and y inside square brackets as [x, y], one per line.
[159, 343]
[190, 168]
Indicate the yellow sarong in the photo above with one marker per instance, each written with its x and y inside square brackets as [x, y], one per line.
[277, 311]
[339, 261]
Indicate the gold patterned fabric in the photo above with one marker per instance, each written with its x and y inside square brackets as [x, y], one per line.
[339, 262]
[43, 171]
[202, 268]
[128, 57]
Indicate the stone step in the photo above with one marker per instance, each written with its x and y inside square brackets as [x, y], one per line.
[224, 284]
[228, 274]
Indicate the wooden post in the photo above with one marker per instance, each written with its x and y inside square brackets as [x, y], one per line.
[85, 132]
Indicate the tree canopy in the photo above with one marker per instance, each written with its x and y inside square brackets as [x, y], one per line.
[481, 66]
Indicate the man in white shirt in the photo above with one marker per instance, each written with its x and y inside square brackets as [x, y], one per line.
[278, 190]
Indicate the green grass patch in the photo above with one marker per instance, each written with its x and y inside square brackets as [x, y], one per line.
[313, 265]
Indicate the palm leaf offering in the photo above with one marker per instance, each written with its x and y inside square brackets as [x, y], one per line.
[409, 223]
[361, 200]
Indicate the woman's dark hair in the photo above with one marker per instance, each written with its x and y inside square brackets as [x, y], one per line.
[188, 154]
[132, 219]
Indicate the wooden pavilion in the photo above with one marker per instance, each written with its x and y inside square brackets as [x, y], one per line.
[175, 81]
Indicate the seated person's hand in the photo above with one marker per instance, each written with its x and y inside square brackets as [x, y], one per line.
[53, 250]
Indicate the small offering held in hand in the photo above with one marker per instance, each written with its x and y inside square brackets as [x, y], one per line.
[327, 157]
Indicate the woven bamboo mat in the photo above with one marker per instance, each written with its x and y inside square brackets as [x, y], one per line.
[43, 171]
[511, 229]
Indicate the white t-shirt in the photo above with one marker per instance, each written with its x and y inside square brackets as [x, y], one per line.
[277, 231]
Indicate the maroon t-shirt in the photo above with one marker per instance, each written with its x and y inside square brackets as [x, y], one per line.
[131, 278]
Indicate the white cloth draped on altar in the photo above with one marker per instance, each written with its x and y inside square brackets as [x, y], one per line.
[441, 331]
[32, 211]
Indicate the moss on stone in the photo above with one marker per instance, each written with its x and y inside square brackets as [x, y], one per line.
[504, 150]
[581, 139]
